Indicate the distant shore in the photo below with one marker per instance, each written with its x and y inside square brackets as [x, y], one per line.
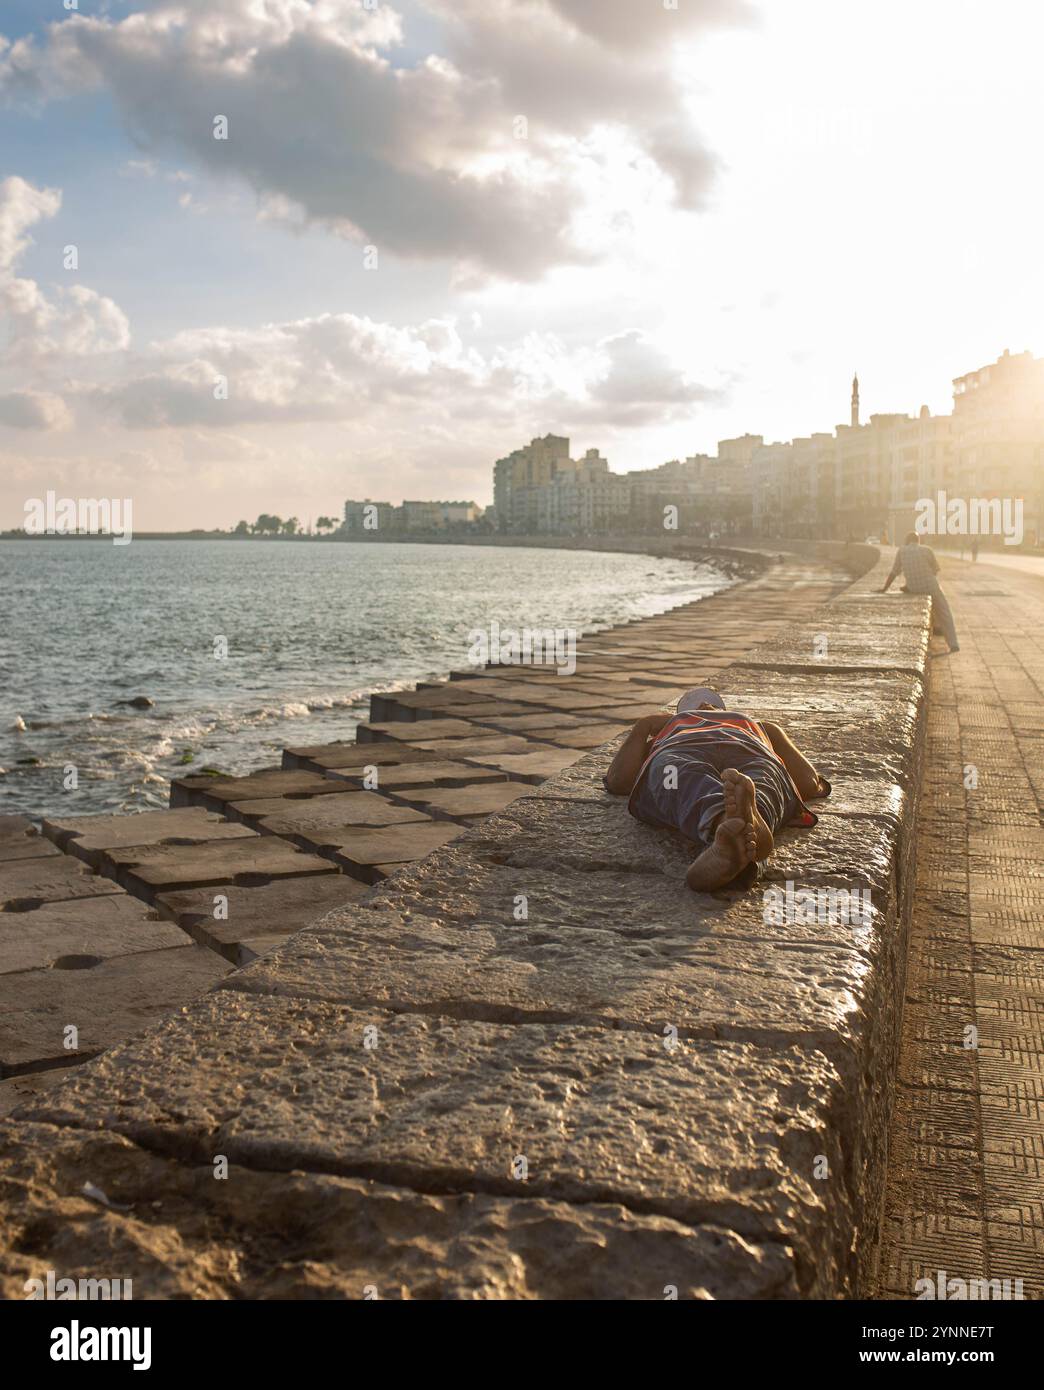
[674, 547]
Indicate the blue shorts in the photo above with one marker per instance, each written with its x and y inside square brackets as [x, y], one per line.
[682, 789]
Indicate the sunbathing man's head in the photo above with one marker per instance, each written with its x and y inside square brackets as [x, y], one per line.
[700, 698]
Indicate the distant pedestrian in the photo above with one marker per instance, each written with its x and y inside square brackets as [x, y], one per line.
[920, 569]
[975, 548]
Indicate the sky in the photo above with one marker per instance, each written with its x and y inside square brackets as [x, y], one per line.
[437, 228]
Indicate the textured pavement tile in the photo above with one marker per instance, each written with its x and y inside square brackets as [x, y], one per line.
[114, 925]
[24, 883]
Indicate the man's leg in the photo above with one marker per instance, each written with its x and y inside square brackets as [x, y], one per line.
[943, 615]
[734, 847]
[741, 800]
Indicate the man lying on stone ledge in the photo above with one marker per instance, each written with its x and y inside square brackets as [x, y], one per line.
[722, 779]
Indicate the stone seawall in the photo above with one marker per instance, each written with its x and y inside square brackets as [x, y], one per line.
[535, 1064]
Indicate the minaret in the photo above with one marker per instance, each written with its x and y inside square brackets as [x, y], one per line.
[855, 402]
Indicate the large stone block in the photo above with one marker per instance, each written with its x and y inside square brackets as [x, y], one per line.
[447, 773]
[91, 837]
[217, 793]
[271, 911]
[105, 1002]
[165, 868]
[779, 992]
[367, 854]
[114, 925]
[322, 757]
[465, 804]
[453, 1105]
[19, 839]
[176, 1233]
[25, 883]
[280, 816]
[403, 732]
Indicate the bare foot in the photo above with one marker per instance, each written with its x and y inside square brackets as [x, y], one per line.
[732, 850]
[740, 801]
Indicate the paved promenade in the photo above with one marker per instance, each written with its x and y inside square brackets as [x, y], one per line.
[966, 1180]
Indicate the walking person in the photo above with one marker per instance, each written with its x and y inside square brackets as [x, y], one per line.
[920, 569]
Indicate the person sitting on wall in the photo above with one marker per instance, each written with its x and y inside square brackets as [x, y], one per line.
[724, 780]
[920, 569]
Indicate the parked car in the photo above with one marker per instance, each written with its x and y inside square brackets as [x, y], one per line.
[873, 540]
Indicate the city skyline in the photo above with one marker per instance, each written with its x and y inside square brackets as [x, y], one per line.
[653, 263]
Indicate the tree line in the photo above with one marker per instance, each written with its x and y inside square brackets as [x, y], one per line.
[267, 525]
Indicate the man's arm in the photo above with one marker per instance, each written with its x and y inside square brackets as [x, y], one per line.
[802, 773]
[625, 767]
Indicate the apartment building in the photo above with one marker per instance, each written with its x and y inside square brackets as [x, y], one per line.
[519, 477]
[369, 516]
[998, 415]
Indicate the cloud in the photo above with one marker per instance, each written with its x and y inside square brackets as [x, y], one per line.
[423, 158]
[641, 383]
[34, 410]
[343, 367]
[70, 322]
[21, 207]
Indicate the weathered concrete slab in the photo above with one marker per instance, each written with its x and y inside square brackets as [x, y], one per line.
[340, 1236]
[280, 816]
[627, 714]
[447, 773]
[460, 884]
[532, 767]
[577, 1104]
[404, 704]
[14, 827]
[400, 731]
[769, 992]
[534, 723]
[215, 795]
[20, 839]
[591, 737]
[27, 847]
[327, 757]
[110, 926]
[272, 911]
[90, 837]
[104, 1003]
[835, 639]
[166, 868]
[361, 851]
[479, 745]
[465, 803]
[25, 883]
[15, 1091]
